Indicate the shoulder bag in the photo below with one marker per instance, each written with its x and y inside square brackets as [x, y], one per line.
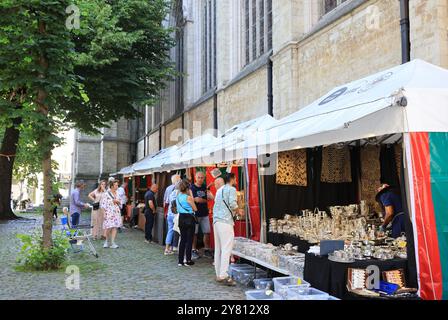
[234, 216]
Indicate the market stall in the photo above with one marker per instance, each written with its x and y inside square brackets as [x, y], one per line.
[391, 128]
[406, 106]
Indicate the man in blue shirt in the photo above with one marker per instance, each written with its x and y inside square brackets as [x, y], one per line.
[393, 209]
[150, 211]
[76, 205]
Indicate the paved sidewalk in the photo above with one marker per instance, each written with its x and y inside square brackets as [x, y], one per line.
[134, 271]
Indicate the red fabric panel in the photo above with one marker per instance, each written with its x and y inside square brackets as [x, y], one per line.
[254, 201]
[240, 228]
[209, 180]
[430, 271]
[126, 179]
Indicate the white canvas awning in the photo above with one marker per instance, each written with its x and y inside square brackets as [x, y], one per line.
[411, 97]
[126, 171]
[222, 149]
[189, 154]
[154, 161]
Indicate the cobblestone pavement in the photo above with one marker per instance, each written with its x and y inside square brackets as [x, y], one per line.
[134, 271]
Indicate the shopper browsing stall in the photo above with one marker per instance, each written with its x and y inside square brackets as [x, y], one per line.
[168, 198]
[224, 210]
[393, 209]
[185, 207]
[201, 195]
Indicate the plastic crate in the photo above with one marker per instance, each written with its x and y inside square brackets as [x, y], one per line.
[281, 284]
[246, 277]
[235, 267]
[302, 293]
[263, 284]
[261, 295]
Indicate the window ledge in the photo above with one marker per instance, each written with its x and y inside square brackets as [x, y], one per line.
[334, 15]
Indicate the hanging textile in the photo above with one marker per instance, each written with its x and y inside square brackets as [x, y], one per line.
[254, 201]
[291, 168]
[398, 156]
[370, 175]
[336, 165]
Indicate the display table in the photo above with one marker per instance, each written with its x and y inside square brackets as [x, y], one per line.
[261, 263]
[281, 238]
[331, 277]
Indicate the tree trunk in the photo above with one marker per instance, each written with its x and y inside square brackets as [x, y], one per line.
[47, 226]
[42, 94]
[7, 156]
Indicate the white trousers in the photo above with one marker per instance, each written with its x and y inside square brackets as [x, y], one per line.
[224, 235]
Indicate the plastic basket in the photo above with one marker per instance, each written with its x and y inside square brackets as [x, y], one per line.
[302, 293]
[234, 268]
[263, 284]
[246, 277]
[261, 295]
[281, 284]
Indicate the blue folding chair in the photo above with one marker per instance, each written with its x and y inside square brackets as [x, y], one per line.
[78, 236]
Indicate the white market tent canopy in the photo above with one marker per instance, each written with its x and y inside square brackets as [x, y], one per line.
[153, 161]
[223, 149]
[187, 154]
[412, 97]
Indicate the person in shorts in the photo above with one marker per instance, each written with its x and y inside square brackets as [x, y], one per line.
[201, 195]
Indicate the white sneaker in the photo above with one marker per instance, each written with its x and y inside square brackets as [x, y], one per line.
[114, 246]
[105, 245]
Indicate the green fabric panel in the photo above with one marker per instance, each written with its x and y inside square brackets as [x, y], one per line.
[438, 148]
[142, 182]
[130, 185]
[240, 178]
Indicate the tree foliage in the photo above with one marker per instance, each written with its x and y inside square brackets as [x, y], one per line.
[53, 77]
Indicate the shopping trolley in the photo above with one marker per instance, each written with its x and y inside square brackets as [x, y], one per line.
[79, 236]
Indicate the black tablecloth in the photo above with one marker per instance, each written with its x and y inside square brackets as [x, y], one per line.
[331, 277]
[281, 238]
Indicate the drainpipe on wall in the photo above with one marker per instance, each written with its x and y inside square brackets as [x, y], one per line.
[270, 92]
[405, 31]
[215, 113]
[160, 137]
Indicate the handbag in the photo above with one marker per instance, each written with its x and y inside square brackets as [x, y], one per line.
[173, 205]
[176, 223]
[96, 206]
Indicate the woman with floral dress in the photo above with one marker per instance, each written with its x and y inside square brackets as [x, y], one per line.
[110, 203]
[97, 215]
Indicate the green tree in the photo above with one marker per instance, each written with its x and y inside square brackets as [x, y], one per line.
[85, 77]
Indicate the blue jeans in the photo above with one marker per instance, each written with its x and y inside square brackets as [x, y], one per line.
[170, 234]
[75, 219]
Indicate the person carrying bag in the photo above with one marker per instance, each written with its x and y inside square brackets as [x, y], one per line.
[224, 213]
[185, 208]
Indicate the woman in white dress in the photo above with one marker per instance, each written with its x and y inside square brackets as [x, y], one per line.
[97, 215]
[110, 203]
